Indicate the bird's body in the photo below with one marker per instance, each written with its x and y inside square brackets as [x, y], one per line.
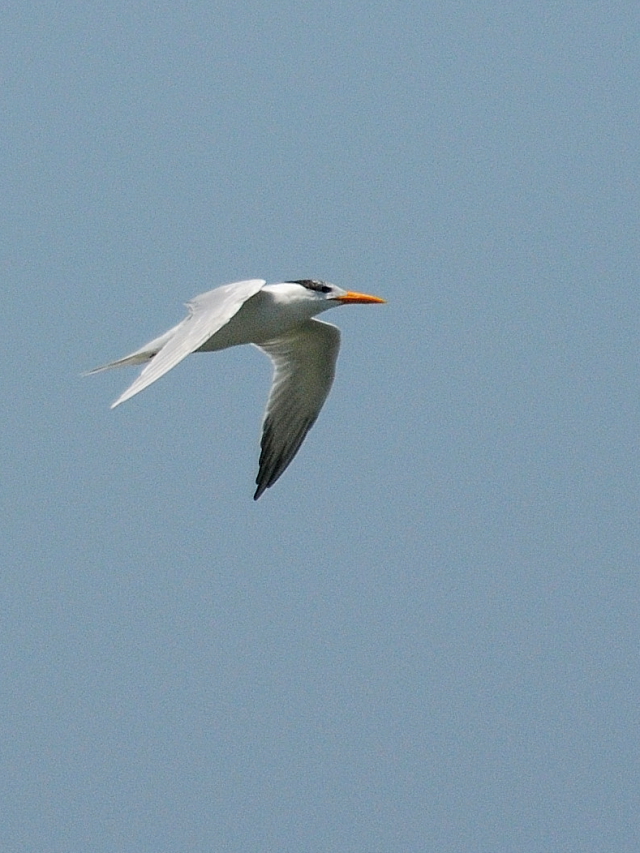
[277, 318]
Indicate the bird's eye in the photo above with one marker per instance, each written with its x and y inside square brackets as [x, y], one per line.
[312, 284]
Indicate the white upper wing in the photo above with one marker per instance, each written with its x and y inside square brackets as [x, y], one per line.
[304, 363]
[208, 313]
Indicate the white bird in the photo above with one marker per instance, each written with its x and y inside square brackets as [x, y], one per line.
[278, 319]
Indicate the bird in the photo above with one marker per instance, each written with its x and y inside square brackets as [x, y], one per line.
[279, 319]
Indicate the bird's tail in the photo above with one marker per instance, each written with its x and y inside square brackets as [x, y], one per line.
[132, 360]
[140, 356]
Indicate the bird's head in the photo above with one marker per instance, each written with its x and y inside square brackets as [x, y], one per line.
[323, 292]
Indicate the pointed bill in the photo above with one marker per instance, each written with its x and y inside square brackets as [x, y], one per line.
[352, 297]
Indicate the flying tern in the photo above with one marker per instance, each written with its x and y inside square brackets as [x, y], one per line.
[279, 320]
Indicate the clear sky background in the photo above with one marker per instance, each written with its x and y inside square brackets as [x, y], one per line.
[426, 636]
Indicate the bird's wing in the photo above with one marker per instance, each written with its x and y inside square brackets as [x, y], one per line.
[304, 366]
[208, 313]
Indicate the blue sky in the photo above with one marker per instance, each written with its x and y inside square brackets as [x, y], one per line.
[425, 636]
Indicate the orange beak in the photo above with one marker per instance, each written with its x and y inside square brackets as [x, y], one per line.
[351, 296]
